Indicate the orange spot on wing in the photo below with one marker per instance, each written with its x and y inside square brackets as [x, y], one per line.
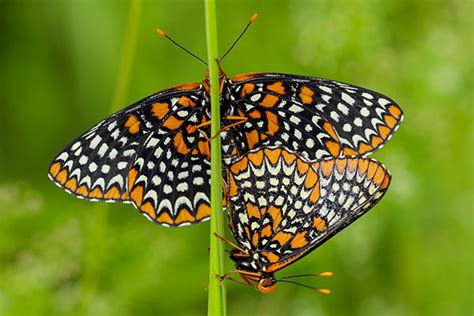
[275, 214]
[273, 155]
[184, 217]
[132, 124]
[180, 145]
[172, 123]
[187, 86]
[252, 210]
[246, 89]
[349, 151]
[352, 164]
[132, 176]
[272, 121]
[306, 95]
[62, 176]
[269, 101]
[266, 231]
[319, 224]
[379, 176]
[363, 148]
[255, 238]
[165, 218]
[96, 193]
[137, 195]
[315, 194]
[375, 141]
[372, 169]
[384, 131]
[159, 110]
[311, 178]
[277, 87]
[113, 193]
[71, 184]
[255, 114]
[288, 157]
[395, 111]
[271, 256]
[330, 130]
[185, 101]
[386, 182]
[252, 138]
[83, 190]
[203, 211]
[54, 169]
[363, 164]
[341, 164]
[302, 166]
[390, 121]
[326, 167]
[240, 165]
[299, 240]
[204, 149]
[281, 237]
[148, 208]
[333, 147]
[243, 77]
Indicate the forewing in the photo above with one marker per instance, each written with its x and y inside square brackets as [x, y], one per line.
[311, 202]
[95, 166]
[316, 117]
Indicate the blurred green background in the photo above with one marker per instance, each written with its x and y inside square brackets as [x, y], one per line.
[60, 62]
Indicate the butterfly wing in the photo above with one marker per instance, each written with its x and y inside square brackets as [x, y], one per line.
[282, 206]
[95, 166]
[316, 117]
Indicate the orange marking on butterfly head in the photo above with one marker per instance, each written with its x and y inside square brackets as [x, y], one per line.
[184, 217]
[315, 194]
[203, 211]
[319, 224]
[54, 169]
[390, 121]
[372, 169]
[165, 218]
[299, 240]
[137, 195]
[273, 155]
[71, 184]
[333, 147]
[281, 237]
[172, 123]
[96, 193]
[148, 209]
[363, 164]
[349, 151]
[302, 166]
[384, 131]
[379, 176]
[252, 210]
[311, 178]
[395, 111]
[180, 145]
[275, 214]
[269, 101]
[62, 176]
[252, 138]
[385, 182]
[113, 193]
[341, 164]
[326, 167]
[185, 101]
[272, 121]
[288, 157]
[132, 176]
[277, 87]
[265, 289]
[246, 89]
[306, 95]
[132, 124]
[160, 109]
[83, 190]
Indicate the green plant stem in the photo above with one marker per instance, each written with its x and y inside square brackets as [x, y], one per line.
[217, 294]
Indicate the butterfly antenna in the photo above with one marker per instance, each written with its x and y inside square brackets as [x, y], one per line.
[323, 274]
[180, 46]
[254, 17]
[323, 291]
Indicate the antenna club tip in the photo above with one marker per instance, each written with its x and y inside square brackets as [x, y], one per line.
[324, 291]
[326, 274]
[161, 32]
[253, 18]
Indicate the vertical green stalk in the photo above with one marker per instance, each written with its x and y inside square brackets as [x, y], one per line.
[96, 231]
[217, 295]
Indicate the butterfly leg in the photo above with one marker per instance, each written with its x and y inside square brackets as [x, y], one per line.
[239, 119]
[230, 243]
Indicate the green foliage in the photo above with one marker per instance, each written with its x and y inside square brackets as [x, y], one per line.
[411, 255]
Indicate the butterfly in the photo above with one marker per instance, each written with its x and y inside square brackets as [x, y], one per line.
[282, 206]
[155, 153]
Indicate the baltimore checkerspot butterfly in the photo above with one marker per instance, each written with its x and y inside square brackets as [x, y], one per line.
[155, 153]
[282, 206]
